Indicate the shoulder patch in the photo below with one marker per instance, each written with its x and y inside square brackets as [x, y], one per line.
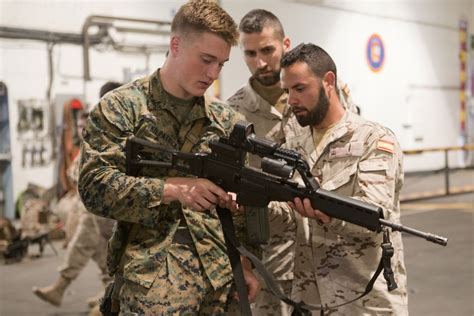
[386, 145]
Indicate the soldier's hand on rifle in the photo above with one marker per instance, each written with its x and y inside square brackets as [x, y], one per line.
[229, 203]
[234, 206]
[304, 208]
[196, 193]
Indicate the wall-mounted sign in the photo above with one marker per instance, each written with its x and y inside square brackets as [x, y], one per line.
[375, 53]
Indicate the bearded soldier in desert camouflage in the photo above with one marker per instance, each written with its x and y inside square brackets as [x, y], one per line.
[354, 157]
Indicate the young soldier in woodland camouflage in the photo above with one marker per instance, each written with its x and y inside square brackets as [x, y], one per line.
[168, 246]
[354, 157]
[263, 102]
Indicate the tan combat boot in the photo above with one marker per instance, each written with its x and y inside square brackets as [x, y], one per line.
[95, 311]
[95, 300]
[53, 294]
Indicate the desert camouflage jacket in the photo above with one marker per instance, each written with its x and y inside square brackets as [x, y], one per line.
[278, 254]
[334, 262]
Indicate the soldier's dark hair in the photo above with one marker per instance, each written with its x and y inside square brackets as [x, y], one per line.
[317, 59]
[108, 86]
[199, 16]
[255, 20]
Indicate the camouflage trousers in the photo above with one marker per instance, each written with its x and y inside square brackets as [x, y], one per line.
[69, 209]
[86, 243]
[181, 287]
[268, 304]
[305, 288]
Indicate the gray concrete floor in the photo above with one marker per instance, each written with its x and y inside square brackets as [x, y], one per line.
[440, 279]
[17, 280]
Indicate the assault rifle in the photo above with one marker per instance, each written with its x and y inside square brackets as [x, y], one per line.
[17, 248]
[225, 166]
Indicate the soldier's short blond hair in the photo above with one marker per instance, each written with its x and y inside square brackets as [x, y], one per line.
[199, 16]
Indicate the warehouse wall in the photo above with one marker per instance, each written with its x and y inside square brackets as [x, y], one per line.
[415, 93]
[24, 69]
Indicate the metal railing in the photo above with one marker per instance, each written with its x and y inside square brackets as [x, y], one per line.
[446, 170]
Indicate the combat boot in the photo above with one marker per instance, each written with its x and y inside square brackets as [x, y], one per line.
[95, 300]
[53, 294]
[95, 311]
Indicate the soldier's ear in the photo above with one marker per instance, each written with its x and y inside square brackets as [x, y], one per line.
[329, 81]
[175, 42]
[286, 44]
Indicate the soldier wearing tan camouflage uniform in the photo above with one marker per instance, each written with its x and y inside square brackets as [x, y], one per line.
[263, 102]
[86, 235]
[168, 246]
[354, 157]
[86, 243]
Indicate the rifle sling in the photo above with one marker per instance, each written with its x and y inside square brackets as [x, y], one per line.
[233, 250]
[300, 308]
[193, 136]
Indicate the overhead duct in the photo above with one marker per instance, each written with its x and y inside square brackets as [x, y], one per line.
[103, 30]
[118, 25]
[51, 37]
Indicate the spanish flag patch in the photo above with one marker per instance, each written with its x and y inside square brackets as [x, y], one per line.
[386, 145]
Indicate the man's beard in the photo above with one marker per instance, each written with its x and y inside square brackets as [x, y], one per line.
[268, 80]
[271, 79]
[318, 113]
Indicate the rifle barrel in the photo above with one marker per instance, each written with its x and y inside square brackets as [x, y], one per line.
[443, 241]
